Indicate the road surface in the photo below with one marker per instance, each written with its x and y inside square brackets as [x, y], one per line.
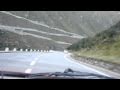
[38, 62]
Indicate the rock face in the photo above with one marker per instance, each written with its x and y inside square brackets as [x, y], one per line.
[51, 29]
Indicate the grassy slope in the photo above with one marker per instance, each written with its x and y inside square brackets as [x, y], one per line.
[110, 52]
[105, 47]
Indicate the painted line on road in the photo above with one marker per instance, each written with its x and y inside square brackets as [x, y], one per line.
[34, 62]
[31, 64]
[65, 56]
[28, 70]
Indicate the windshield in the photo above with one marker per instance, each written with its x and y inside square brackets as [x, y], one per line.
[42, 44]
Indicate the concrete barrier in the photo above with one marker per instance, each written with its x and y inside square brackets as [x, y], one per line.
[14, 49]
[21, 50]
[26, 50]
[51, 51]
[65, 51]
[6, 49]
[31, 50]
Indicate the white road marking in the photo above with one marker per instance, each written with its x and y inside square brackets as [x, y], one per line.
[28, 70]
[65, 56]
[31, 64]
[34, 62]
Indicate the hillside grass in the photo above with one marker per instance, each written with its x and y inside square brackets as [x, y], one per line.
[104, 45]
[108, 52]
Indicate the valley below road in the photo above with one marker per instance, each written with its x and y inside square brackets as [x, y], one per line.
[41, 62]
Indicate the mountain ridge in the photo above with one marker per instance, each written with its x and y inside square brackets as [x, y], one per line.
[64, 28]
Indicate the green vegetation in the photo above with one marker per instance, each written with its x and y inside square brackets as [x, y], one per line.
[104, 45]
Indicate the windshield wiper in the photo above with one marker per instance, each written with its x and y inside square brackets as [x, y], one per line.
[68, 73]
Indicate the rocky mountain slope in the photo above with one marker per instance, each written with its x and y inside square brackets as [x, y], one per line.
[52, 29]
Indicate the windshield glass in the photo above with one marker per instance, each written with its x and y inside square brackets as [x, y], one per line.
[45, 42]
